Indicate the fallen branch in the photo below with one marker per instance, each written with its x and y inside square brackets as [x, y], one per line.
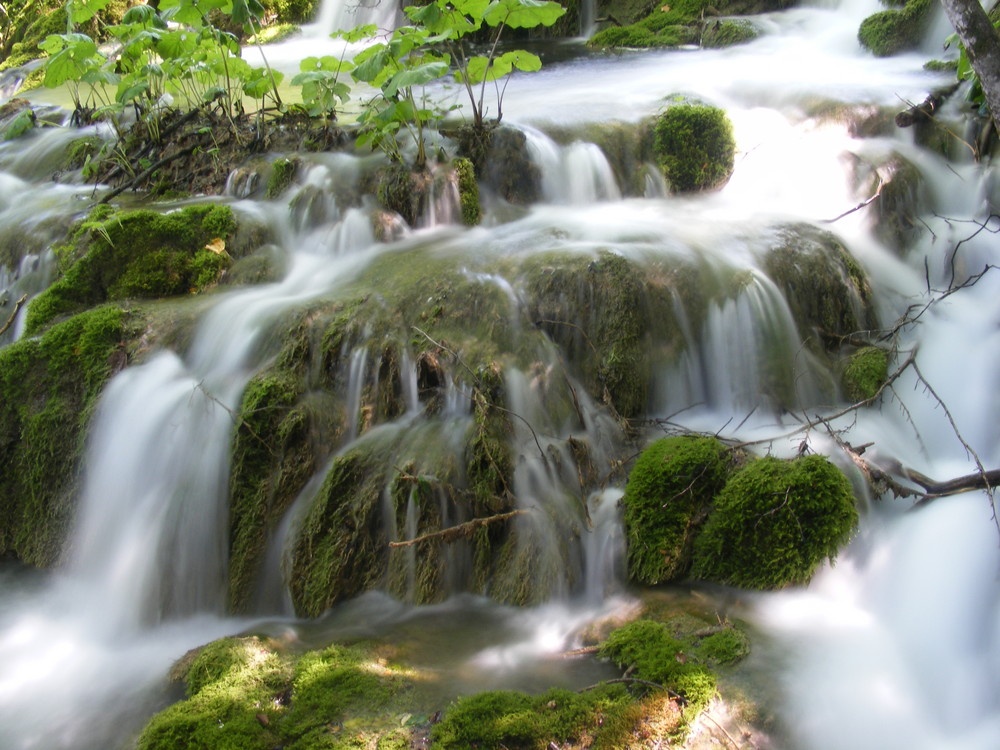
[138, 179]
[13, 315]
[462, 531]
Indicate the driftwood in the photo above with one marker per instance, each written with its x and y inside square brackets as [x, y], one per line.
[10, 320]
[462, 531]
[926, 109]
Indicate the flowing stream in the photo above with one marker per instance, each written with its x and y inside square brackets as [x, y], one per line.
[896, 646]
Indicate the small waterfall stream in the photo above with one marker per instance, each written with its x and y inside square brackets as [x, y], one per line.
[897, 645]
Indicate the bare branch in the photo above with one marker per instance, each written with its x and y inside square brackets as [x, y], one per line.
[13, 315]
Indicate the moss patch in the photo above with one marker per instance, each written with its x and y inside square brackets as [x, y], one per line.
[694, 147]
[864, 373]
[250, 694]
[48, 389]
[137, 254]
[775, 522]
[896, 30]
[468, 192]
[669, 492]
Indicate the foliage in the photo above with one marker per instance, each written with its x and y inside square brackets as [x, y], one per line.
[669, 491]
[424, 52]
[895, 30]
[694, 146]
[468, 192]
[775, 522]
[173, 49]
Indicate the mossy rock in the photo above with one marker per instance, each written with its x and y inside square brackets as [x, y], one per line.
[468, 191]
[728, 33]
[896, 30]
[654, 654]
[694, 147]
[827, 290]
[775, 522]
[611, 319]
[283, 171]
[667, 498]
[49, 387]
[902, 199]
[519, 721]
[249, 693]
[864, 372]
[136, 254]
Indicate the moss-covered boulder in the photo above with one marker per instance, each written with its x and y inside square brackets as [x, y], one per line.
[136, 254]
[864, 372]
[694, 147]
[667, 499]
[686, 22]
[827, 290]
[252, 694]
[48, 389]
[775, 522]
[896, 30]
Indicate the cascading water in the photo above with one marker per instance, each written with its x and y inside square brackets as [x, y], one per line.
[895, 646]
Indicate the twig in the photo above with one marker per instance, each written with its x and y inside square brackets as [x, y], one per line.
[147, 172]
[858, 207]
[10, 320]
[462, 531]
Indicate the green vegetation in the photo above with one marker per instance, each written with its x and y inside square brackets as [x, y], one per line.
[669, 492]
[678, 24]
[518, 721]
[694, 146]
[48, 389]
[775, 522]
[136, 254]
[468, 191]
[896, 30]
[246, 693]
[864, 373]
[282, 173]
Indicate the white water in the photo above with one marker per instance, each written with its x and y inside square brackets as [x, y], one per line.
[898, 646]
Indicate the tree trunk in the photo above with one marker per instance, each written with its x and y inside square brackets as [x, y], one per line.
[982, 45]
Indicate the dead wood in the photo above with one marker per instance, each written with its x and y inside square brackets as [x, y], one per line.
[462, 531]
[13, 315]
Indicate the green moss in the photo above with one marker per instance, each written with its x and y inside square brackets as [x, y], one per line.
[245, 692]
[669, 492]
[518, 721]
[827, 290]
[727, 33]
[652, 653]
[892, 31]
[864, 373]
[282, 173]
[48, 389]
[775, 522]
[602, 312]
[275, 33]
[694, 146]
[468, 191]
[726, 646]
[141, 253]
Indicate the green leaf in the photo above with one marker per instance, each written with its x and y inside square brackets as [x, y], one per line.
[128, 91]
[523, 14]
[245, 10]
[356, 34]
[22, 123]
[370, 62]
[326, 63]
[82, 11]
[418, 76]
[140, 14]
[176, 44]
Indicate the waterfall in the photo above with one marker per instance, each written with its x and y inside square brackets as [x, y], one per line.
[895, 645]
